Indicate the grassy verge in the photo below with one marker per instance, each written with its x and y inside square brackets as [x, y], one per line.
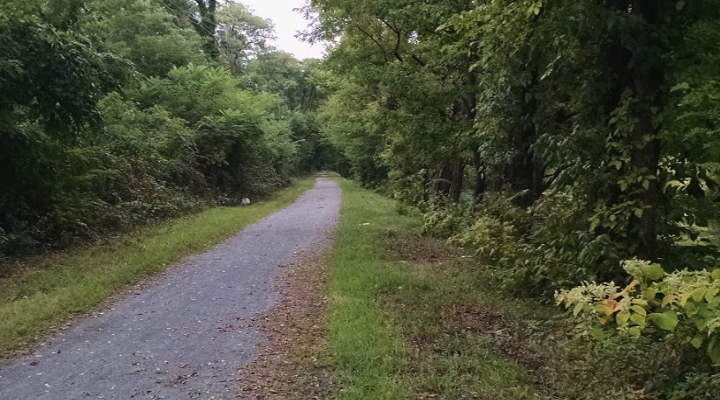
[390, 335]
[48, 290]
[411, 318]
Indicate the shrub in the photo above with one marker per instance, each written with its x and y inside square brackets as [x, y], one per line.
[444, 219]
[683, 306]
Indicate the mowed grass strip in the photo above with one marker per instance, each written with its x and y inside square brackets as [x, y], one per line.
[391, 334]
[46, 291]
[366, 351]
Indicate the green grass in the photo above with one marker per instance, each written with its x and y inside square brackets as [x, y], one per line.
[387, 337]
[46, 291]
[368, 351]
[410, 317]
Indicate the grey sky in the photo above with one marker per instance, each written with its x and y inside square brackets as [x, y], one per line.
[287, 24]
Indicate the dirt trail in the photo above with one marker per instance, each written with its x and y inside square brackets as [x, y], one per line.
[186, 333]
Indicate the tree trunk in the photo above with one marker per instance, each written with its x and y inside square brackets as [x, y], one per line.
[644, 77]
[645, 154]
[480, 183]
[442, 187]
[458, 170]
[426, 184]
[206, 28]
[526, 172]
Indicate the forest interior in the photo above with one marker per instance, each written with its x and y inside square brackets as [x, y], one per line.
[534, 211]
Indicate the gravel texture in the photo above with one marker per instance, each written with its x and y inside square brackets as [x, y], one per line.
[185, 334]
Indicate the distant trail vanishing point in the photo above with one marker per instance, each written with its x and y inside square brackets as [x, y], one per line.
[184, 335]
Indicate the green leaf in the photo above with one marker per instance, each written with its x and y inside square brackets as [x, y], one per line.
[697, 341]
[638, 320]
[716, 274]
[635, 331]
[680, 5]
[639, 302]
[698, 294]
[579, 307]
[711, 293]
[713, 350]
[653, 271]
[639, 310]
[666, 321]
[650, 293]
[700, 323]
[622, 318]
[639, 212]
[597, 334]
[681, 86]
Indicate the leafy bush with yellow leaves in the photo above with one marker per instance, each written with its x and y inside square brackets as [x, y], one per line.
[683, 305]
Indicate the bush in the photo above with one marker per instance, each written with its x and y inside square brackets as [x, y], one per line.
[683, 306]
[696, 386]
[495, 242]
[444, 219]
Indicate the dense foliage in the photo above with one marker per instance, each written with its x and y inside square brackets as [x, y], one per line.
[554, 138]
[116, 113]
[568, 144]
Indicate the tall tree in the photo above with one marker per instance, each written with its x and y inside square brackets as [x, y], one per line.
[205, 24]
[241, 35]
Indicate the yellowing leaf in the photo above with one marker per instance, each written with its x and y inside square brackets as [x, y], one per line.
[578, 308]
[611, 306]
[603, 308]
[667, 300]
[684, 298]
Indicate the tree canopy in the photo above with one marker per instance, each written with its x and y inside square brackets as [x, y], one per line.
[118, 113]
[557, 139]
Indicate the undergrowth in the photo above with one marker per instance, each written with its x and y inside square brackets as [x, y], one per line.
[412, 317]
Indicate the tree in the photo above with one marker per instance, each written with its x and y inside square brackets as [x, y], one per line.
[241, 35]
[144, 32]
[425, 86]
[50, 85]
[205, 23]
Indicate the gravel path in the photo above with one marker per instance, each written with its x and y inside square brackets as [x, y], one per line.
[186, 333]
